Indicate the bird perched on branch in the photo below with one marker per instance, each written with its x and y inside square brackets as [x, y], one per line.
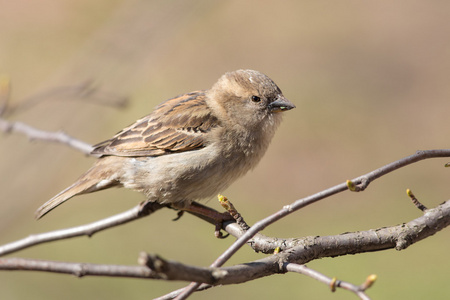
[190, 147]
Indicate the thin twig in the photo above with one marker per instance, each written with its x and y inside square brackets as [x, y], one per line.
[82, 91]
[88, 229]
[332, 282]
[47, 136]
[233, 212]
[5, 93]
[415, 201]
[174, 294]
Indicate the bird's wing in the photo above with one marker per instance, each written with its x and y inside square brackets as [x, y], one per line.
[177, 125]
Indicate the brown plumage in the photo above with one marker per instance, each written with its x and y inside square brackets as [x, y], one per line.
[177, 125]
[191, 146]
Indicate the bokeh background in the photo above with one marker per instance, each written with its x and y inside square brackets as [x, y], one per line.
[371, 83]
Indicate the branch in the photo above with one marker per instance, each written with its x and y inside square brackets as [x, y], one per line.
[306, 250]
[144, 209]
[362, 182]
[82, 91]
[310, 248]
[333, 283]
[47, 136]
[357, 184]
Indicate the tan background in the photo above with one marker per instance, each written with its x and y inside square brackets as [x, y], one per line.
[371, 83]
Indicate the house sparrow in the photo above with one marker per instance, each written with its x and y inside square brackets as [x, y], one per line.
[191, 146]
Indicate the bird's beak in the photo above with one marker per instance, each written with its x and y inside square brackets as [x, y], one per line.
[281, 104]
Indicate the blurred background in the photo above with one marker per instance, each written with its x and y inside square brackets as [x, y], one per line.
[371, 83]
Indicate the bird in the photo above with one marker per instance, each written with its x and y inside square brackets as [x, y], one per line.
[191, 146]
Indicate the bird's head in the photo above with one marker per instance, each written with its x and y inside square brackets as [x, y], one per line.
[247, 98]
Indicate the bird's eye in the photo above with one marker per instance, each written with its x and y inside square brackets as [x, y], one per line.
[256, 99]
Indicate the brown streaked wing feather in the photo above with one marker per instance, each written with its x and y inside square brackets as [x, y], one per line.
[177, 125]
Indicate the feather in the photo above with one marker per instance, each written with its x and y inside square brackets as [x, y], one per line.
[177, 125]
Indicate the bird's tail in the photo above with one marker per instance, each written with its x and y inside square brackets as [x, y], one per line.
[87, 183]
[79, 187]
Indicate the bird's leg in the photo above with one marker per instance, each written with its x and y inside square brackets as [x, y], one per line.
[206, 213]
